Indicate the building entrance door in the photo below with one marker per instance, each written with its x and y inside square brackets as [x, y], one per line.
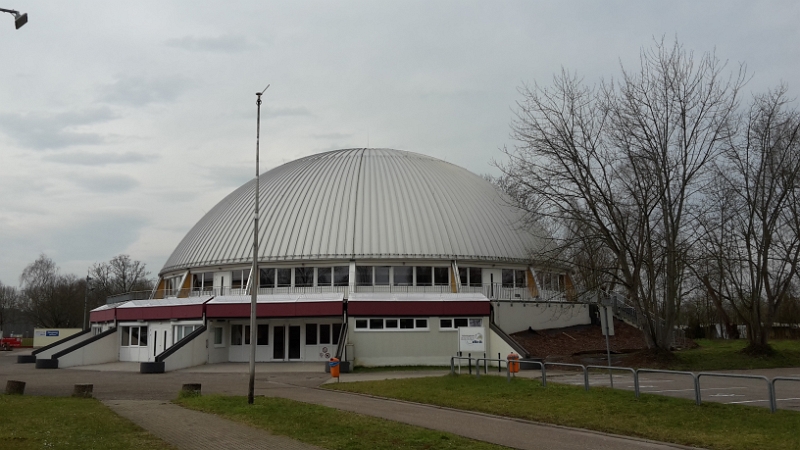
[294, 342]
[279, 342]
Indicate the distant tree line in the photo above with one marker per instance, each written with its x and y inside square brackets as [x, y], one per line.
[667, 186]
[49, 299]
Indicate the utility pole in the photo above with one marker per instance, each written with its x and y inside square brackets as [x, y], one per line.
[254, 281]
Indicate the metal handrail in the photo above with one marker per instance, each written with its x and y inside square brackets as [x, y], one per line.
[610, 368]
[695, 381]
[774, 394]
[770, 391]
[459, 358]
[581, 366]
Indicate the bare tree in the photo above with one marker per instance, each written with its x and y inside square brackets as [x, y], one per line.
[751, 248]
[621, 164]
[50, 299]
[119, 275]
[9, 298]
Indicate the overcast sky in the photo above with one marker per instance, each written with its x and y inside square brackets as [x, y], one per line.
[121, 124]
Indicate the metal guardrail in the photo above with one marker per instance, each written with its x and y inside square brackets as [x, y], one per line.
[770, 390]
[773, 402]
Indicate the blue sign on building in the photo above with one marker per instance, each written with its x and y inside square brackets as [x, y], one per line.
[51, 333]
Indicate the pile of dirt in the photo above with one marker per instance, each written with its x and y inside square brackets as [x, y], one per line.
[580, 340]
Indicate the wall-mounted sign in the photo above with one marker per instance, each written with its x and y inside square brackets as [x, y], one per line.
[51, 333]
[471, 339]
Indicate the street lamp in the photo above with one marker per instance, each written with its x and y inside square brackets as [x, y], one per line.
[19, 19]
[254, 275]
[86, 303]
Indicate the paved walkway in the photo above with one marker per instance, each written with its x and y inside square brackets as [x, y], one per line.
[512, 433]
[144, 399]
[193, 430]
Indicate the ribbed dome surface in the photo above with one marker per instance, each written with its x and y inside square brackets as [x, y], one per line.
[360, 203]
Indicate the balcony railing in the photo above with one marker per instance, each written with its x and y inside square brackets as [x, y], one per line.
[492, 291]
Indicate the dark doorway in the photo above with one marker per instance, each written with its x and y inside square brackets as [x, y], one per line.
[279, 343]
[294, 342]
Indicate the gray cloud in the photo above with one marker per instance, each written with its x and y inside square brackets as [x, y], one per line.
[219, 44]
[98, 238]
[42, 131]
[83, 158]
[331, 135]
[139, 91]
[106, 183]
[273, 112]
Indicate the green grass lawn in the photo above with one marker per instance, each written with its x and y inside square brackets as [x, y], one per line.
[710, 425]
[327, 427]
[362, 369]
[727, 355]
[67, 423]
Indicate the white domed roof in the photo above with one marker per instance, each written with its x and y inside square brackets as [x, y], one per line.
[360, 203]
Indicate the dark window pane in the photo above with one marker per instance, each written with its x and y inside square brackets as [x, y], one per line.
[407, 323]
[391, 323]
[364, 275]
[236, 279]
[324, 334]
[337, 329]
[134, 336]
[520, 278]
[323, 276]
[424, 276]
[303, 276]
[475, 276]
[267, 278]
[445, 323]
[403, 275]
[361, 323]
[126, 336]
[375, 324]
[381, 275]
[143, 337]
[197, 281]
[460, 323]
[508, 278]
[341, 275]
[462, 275]
[311, 334]
[236, 335]
[421, 323]
[441, 276]
[284, 277]
[247, 335]
[262, 334]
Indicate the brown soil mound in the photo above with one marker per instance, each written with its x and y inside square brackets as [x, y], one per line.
[578, 340]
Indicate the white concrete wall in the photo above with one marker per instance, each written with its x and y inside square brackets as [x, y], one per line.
[498, 345]
[516, 316]
[192, 354]
[47, 354]
[40, 338]
[433, 347]
[101, 351]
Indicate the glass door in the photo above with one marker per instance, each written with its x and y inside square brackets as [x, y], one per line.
[294, 342]
[279, 343]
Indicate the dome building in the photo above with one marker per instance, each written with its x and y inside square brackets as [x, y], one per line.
[377, 256]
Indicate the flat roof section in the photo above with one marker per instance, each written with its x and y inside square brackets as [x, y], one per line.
[279, 305]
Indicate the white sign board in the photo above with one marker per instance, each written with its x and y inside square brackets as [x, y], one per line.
[471, 339]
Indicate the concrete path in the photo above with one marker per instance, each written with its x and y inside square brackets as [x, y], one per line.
[193, 430]
[512, 433]
[144, 399]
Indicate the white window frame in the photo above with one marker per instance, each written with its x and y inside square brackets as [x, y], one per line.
[396, 329]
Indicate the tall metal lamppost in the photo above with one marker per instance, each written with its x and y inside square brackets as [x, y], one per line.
[254, 274]
[86, 303]
[19, 19]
